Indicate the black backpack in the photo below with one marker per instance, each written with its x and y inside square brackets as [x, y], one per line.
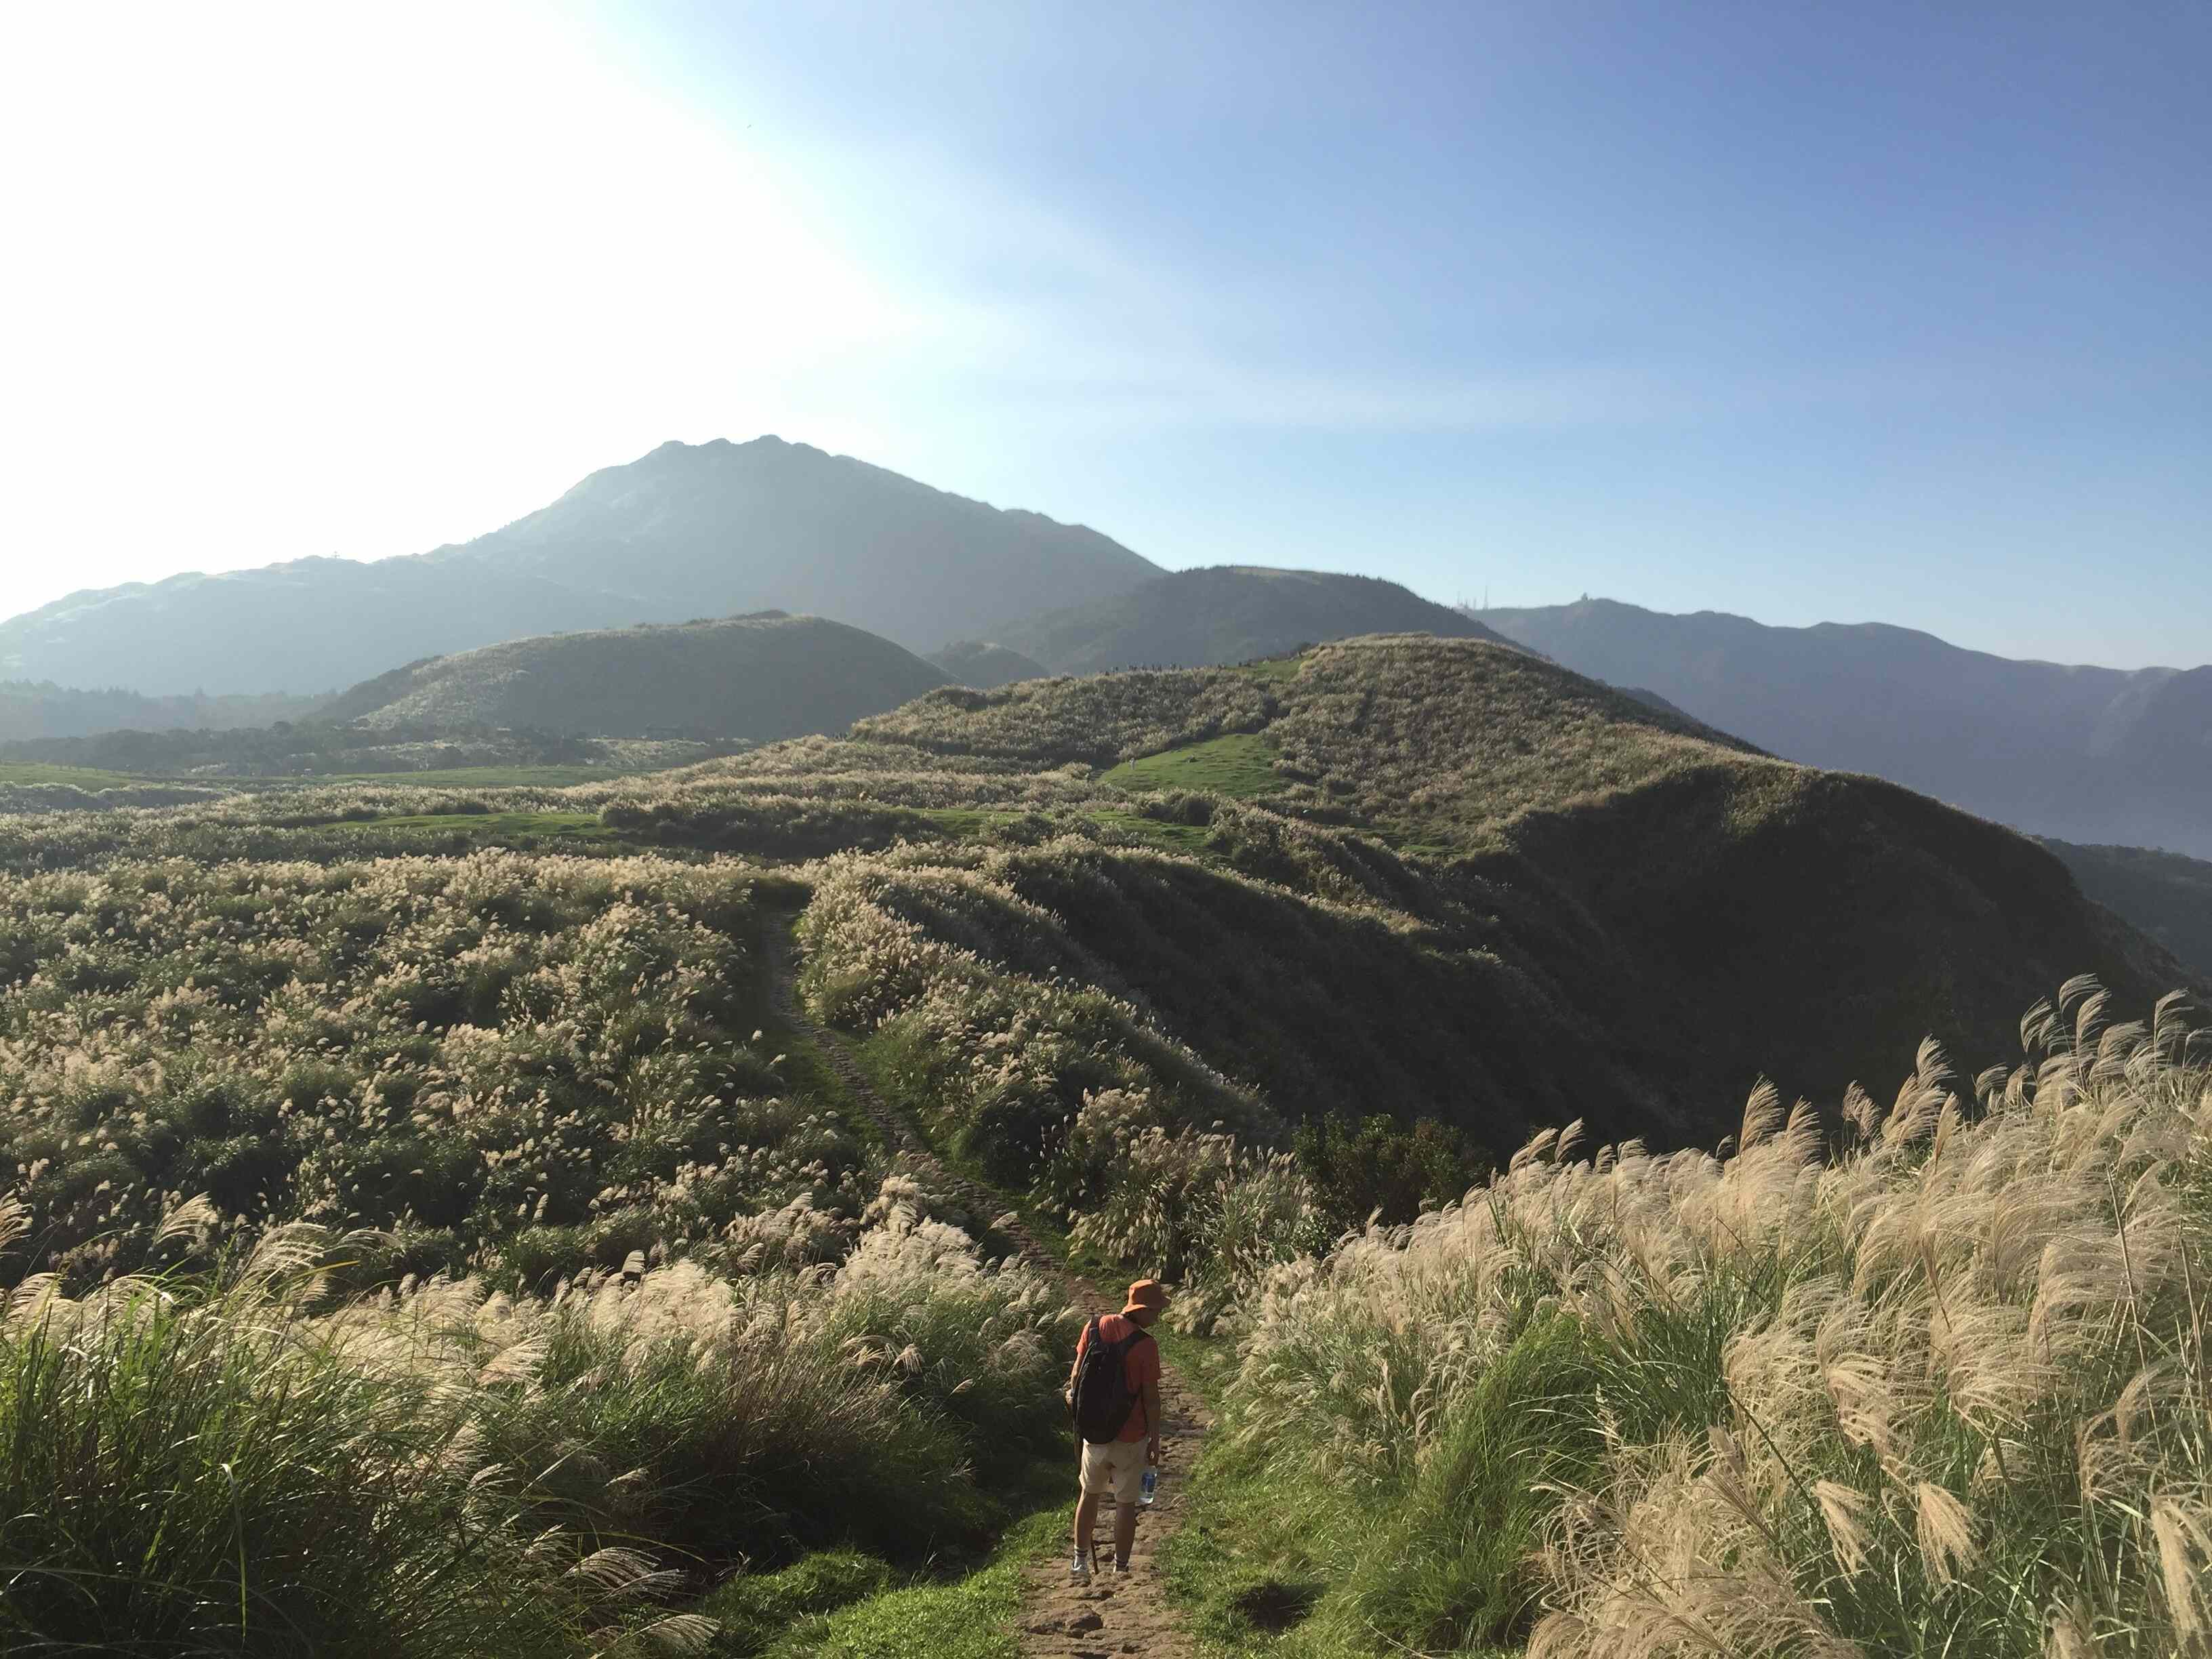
[1103, 1399]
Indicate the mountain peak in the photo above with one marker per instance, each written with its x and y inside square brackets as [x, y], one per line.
[685, 530]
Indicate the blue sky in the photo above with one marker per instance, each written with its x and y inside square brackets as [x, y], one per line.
[1866, 312]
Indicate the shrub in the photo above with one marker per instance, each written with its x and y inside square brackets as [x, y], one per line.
[1375, 1168]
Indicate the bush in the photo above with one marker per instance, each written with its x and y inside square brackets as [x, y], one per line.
[1375, 1168]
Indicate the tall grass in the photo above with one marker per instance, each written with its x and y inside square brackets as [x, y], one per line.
[182, 1474]
[224, 1461]
[535, 1065]
[1943, 1389]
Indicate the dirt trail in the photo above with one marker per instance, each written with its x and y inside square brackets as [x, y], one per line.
[1059, 1619]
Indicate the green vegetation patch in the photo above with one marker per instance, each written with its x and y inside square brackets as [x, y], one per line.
[971, 1617]
[504, 829]
[1273, 671]
[1241, 763]
[1190, 838]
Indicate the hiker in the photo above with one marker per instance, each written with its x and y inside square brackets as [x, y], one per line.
[1116, 1402]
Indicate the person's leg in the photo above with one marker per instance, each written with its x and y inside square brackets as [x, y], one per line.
[1091, 1474]
[1128, 1487]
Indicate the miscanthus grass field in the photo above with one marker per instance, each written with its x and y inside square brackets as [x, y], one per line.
[332, 1121]
[1944, 1390]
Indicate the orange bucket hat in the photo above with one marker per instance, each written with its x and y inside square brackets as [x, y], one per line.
[1146, 1296]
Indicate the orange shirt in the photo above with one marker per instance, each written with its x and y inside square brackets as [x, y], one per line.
[1141, 1366]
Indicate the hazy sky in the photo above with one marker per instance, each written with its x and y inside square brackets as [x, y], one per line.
[1853, 312]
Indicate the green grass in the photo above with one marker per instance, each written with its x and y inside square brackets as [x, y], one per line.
[1241, 763]
[756, 1608]
[1273, 671]
[1174, 838]
[970, 1618]
[1279, 1560]
[175, 1483]
[962, 822]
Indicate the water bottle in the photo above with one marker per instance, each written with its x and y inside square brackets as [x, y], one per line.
[1151, 1486]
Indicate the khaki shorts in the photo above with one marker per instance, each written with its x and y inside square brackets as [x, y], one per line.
[1117, 1466]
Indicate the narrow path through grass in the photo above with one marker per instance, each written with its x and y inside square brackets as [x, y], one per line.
[1045, 1616]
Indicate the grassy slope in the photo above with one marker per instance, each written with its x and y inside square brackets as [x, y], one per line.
[1241, 765]
[1611, 887]
[763, 676]
[1611, 921]
[1595, 908]
[2167, 895]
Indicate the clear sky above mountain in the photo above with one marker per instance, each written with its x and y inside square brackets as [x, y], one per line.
[1890, 312]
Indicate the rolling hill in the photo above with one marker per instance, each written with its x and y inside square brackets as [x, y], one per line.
[686, 531]
[1439, 878]
[2087, 754]
[760, 677]
[985, 665]
[1227, 614]
[1204, 966]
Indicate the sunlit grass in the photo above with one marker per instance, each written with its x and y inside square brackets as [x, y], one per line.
[1945, 1390]
[1241, 763]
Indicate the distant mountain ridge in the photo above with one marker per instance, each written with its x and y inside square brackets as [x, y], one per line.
[302, 626]
[685, 531]
[2083, 754]
[762, 677]
[712, 529]
[31, 711]
[1228, 614]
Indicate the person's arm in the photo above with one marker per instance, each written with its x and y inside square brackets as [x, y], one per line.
[1152, 1420]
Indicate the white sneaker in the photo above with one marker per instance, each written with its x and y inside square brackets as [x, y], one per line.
[1081, 1573]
